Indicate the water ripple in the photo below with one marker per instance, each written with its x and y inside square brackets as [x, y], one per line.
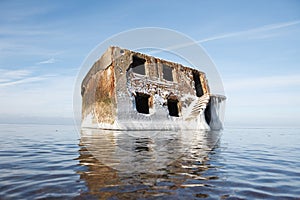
[47, 162]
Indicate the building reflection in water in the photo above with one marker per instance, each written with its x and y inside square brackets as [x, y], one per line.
[145, 163]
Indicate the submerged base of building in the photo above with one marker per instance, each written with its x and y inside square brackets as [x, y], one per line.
[208, 119]
[127, 90]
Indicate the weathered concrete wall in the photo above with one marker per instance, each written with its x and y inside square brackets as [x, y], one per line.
[98, 92]
[128, 84]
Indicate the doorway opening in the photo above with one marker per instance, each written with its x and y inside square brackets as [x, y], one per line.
[173, 107]
[142, 103]
[207, 113]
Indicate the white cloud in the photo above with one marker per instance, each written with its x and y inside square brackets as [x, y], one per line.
[253, 31]
[49, 61]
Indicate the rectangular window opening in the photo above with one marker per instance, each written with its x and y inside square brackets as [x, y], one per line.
[167, 73]
[142, 103]
[138, 65]
[198, 85]
[173, 107]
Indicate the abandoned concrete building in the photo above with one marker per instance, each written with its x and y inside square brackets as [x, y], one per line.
[126, 90]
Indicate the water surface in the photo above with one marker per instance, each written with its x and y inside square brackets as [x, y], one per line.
[54, 162]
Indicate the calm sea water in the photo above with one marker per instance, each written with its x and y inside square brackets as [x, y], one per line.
[54, 162]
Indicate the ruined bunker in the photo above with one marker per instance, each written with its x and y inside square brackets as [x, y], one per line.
[126, 90]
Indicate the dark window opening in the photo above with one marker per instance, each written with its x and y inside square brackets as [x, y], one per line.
[173, 107]
[198, 86]
[138, 65]
[142, 103]
[167, 73]
[207, 113]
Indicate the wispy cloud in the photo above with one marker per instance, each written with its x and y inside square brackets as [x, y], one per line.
[16, 77]
[49, 61]
[252, 31]
[22, 81]
[16, 47]
[49, 96]
[18, 11]
[264, 28]
[8, 75]
[25, 31]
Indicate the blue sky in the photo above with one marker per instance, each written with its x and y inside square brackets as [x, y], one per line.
[254, 44]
